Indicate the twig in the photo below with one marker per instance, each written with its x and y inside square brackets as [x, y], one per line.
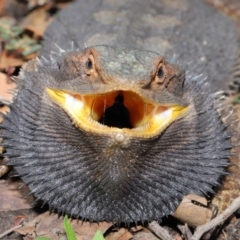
[188, 233]
[10, 230]
[200, 230]
[159, 231]
[185, 231]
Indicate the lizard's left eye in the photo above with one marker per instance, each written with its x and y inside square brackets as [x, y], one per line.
[89, 64]
[160, 72]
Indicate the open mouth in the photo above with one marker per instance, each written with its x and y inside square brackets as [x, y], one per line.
[118, 111]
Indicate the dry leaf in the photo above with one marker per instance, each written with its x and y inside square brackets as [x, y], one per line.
[120, 234]
[51, 225]
[86, 230]
[192, 214]
[126, 236]
[30, 56]
[6, 61]
[51, 222]
[144, 235]
[13, 198]
[6, 88]
[4, 109]
[36, 21]
[62, 5]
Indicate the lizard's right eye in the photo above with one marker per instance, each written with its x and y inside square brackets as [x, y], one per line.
[89, 64]
[160, 72]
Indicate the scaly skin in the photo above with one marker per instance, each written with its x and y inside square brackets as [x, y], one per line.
[98, 172]
[162, 27]
[193, 34]
[192, 30]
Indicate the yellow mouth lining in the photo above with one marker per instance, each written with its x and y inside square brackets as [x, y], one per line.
[89, 112]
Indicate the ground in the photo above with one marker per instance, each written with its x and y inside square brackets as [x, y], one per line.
[22, 26]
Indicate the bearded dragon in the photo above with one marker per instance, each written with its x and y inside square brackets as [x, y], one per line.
[115, 134]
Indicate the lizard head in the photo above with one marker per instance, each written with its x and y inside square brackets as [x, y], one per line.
[114, 134]
[125, 93]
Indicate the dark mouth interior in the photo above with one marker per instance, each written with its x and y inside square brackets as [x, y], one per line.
[117, 115]
[120, 111]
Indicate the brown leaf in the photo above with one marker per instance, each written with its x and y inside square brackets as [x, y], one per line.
[192, 214]
[35, 227]
[6, 88]
[31, 56]
[4, 109]
[6, 61]
[36, 21]
[137, 229]
[62, 5]
[145, 235]
[13, 198]
[3, 168]
[121, 234]
[126, 236]
[86, 230]
[51, 225]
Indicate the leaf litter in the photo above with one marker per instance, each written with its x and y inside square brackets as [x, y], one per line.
[22, 25]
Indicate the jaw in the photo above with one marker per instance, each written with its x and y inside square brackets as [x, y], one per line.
[121, 111]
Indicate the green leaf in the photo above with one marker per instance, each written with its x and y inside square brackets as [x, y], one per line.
[236, 100]
[98, 235]
[31, 49]
[5, 36]
[17, 31]
[69, 229]
[42, 238]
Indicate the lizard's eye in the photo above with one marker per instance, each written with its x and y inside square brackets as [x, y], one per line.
[160, 72]
[89, 64]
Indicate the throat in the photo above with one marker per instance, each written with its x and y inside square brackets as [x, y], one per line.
[117, 115]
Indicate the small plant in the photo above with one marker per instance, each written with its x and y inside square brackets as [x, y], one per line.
[14, 38]
[71, 234]
[69, 229]
[236, 100]
[98, 236]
